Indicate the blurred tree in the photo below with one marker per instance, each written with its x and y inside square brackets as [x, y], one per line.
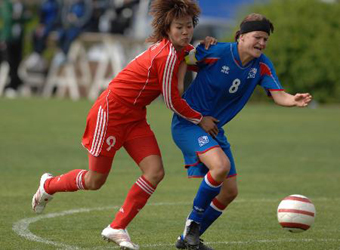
[305, 46]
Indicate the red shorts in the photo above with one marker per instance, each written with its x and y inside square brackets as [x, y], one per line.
[111, 125]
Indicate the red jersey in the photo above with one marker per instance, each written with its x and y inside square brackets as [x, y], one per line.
[150, 74]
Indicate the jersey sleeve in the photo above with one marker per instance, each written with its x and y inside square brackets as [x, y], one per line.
[167, 72]
[199, 57]
[269, 79]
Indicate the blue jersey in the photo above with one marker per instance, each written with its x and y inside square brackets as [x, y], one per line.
[223, 86]
[221, 89]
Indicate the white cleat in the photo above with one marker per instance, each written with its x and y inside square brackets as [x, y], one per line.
[41, 198]
[120, 237]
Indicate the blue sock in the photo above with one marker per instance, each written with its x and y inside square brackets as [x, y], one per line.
[207, 191]
[210, 215]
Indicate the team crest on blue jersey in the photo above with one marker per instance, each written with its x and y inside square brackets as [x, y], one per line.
[203, 140]
[252, 73]
[225, 69]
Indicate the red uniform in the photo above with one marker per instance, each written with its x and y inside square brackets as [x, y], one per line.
[118, 117]
[150, 74]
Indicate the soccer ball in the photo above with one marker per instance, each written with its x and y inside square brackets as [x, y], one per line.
[296, 213]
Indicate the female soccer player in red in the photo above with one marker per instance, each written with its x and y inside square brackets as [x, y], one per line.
[118, 118]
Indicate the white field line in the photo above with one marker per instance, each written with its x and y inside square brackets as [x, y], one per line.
[231, 243]
[21, 228]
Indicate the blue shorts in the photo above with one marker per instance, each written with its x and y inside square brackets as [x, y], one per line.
[193, 140]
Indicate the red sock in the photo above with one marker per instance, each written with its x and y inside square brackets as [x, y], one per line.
[217, 205]
[69, 182]
[137, 197]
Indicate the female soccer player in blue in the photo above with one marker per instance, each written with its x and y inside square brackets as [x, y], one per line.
[227, 76]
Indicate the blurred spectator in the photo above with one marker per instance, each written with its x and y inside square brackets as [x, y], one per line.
[119, 16]
[99, 8]
[75, 18]
[49, 20]
[13, 17]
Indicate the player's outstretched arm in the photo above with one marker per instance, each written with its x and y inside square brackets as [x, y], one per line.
[287, 100]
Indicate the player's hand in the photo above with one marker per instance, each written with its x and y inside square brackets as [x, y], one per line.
[208, 124]
[209, 40]
[302, 100]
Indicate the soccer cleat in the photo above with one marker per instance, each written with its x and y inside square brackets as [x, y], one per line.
[192, 235]
[120, 237]
[41, 198]
[181, 244]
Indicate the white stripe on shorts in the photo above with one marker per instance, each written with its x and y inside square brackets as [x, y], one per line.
[99, 132]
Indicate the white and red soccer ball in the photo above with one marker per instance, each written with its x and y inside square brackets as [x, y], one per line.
[296, 213]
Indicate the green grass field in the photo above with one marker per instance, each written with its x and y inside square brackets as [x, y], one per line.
[278, 152]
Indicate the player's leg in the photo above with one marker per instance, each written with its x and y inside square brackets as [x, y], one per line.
[219, 165]
[146, 153]
[100, 159]
[93, 179]
[227, 194]
[99, 169]
[197, 146]
[140, 191]
[138, 195]
[77, 179]
[136, 199]
[143, 148]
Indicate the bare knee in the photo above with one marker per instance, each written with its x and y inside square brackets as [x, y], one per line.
[159, 175]
[94, 182]
[152, 168]
[156, 175]
[217, 162]
[94, 185]
[221, 168]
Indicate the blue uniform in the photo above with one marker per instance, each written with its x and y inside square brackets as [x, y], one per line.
[221, 89]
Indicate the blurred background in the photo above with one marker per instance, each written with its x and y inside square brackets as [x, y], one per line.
[73, 48]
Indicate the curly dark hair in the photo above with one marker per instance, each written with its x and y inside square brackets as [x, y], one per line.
[165, 11]
[253, 17]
